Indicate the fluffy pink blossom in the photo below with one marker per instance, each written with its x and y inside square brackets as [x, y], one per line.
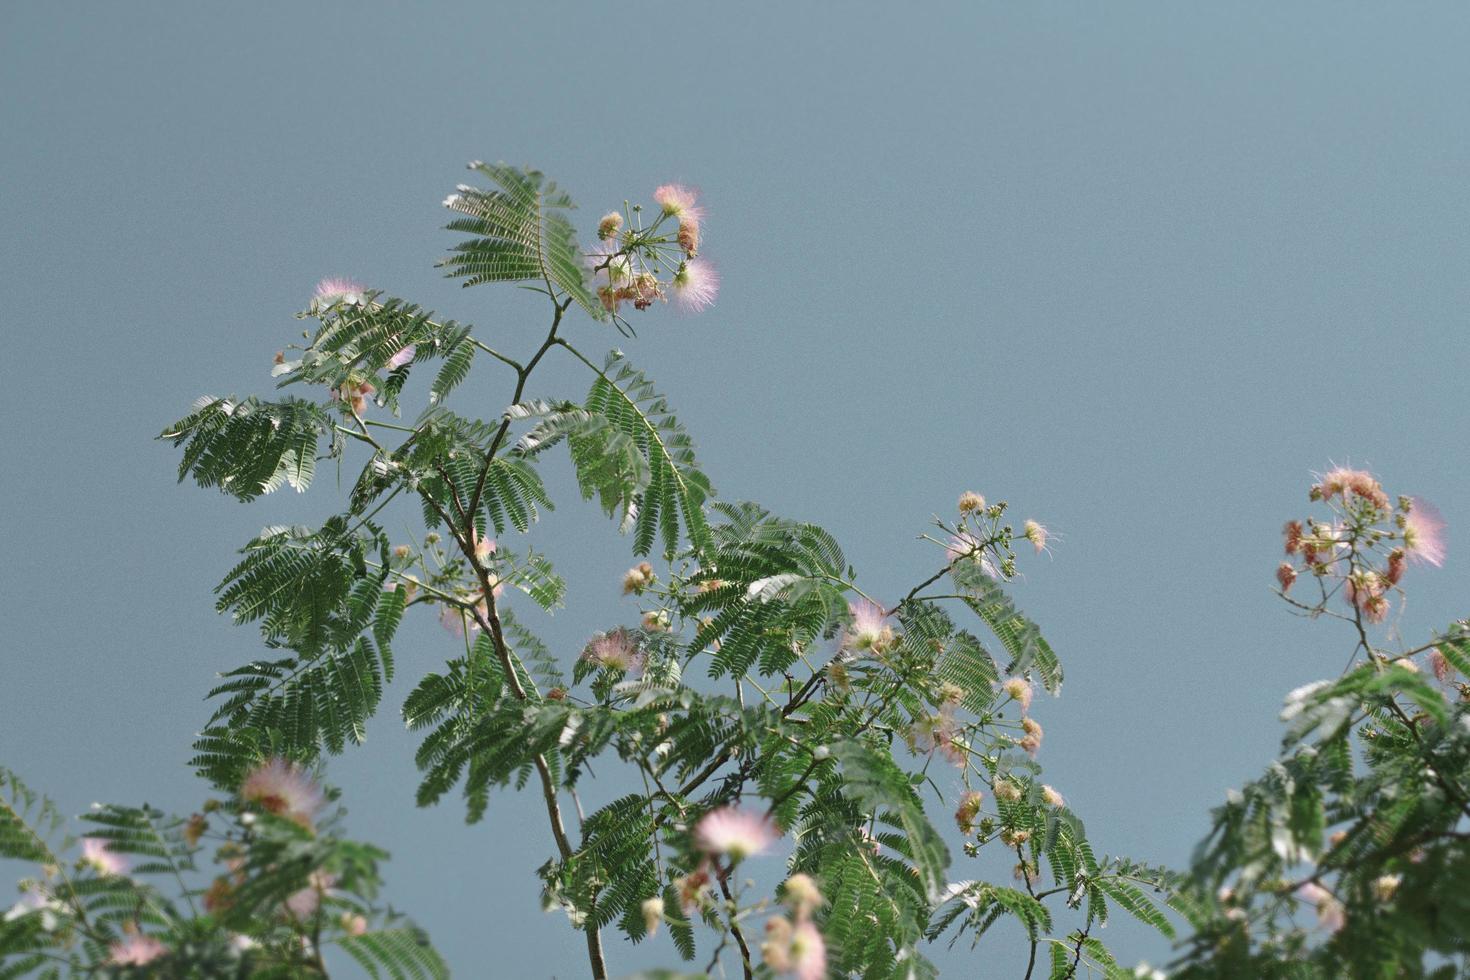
[334, 290]
[1037, 534]
[1424, 533]
[1330, 913]
[401, 358]
[1020, 690]
[285, 789]
[869, 630]
[696, 285]
[616, 650]
[733, 832]
[303, 904]
[939, 733]
[679, 202]
[966, 546]
[136, 949]
[808, 952]
[1343, 481]
[96, 853]
[1440, 665]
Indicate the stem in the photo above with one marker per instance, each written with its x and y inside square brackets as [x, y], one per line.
[489, 620]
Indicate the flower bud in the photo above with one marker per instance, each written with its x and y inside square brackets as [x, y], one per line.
[610, 225]
[1285, 576]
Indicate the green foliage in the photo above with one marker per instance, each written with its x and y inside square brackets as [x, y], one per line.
[632, 453]
[250, 447]
[521, 233]
[830, 736]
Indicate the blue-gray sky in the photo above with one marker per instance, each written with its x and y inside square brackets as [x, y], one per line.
[1135, 268]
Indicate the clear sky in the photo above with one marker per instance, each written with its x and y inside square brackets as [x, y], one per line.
[1135, 268]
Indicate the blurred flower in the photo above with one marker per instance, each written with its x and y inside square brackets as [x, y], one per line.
[1006, 790]
[95, 853]
[1424, 533]
[802, 896]
[136, 949]
[968, 810]
[653, 914]
[609, 225]
[735, 833]
[1292, 532]
[966, 546]
[1330, 913]
[808, 953]
[303, 904]
[1052, 797]
[657, 621]
[401, 358]
[696, 285]
[335, 290]
[284, 789]
[638, 578]
[354, 925]
[1285, 576]
[35, 899]
[1385, 886]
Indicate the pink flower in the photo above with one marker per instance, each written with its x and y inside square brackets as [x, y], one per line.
[354, 925]
[808, 952]
[484, 547]
[303, 904]
[284, 789]
[1019, 688]
[402, 357]
[616, 650]
[965, 546]
[136, 950]
[1037, 534]
[1424, 533]
[334, 290]
[679, 202]
[869, 630]
[938, 733]
[95, 853]
[1330, 913]
[733, 832]
[1361, 483]
[696, 285]
[1440, 665]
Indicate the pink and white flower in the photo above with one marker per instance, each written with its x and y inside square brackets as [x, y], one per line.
[136, 949]
[1020, 690]
[102, 860]
[733, 832]
[284, 789]
[808, 952]
[1330, 913]
[696, 285]
[679, 201]
[1424, 537]
[966, 547]
[615, 650]
[869, 631]
[335, 290]
[401, 358]
[303, 904]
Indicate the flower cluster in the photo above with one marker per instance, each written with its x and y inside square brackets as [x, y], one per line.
[641, 265]
[795, 945]
[1364, 546]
